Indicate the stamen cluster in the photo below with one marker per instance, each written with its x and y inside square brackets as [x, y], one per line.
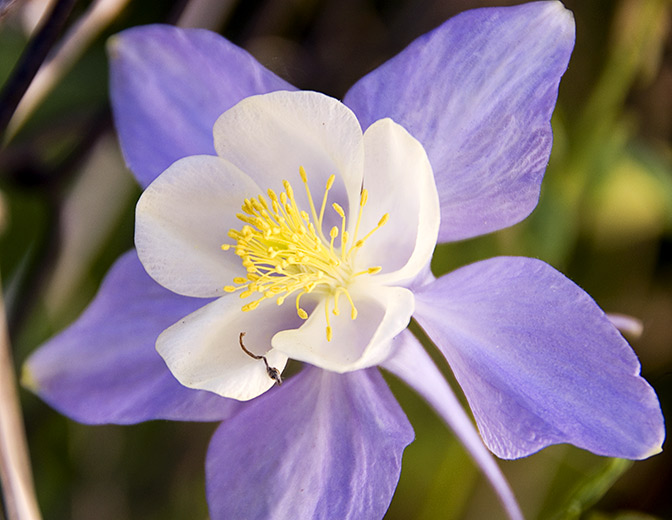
[285, 251]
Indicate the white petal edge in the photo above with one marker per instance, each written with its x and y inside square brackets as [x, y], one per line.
[383, 312]
[270, 136]
[400, 182]
[202, 350]
[183, 218]
[410, 362]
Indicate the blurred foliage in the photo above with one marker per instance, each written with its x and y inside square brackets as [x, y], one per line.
[604, 218]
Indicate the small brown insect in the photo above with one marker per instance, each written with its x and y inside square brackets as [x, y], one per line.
[272, 372]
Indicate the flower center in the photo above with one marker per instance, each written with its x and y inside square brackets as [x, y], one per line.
[286, 253]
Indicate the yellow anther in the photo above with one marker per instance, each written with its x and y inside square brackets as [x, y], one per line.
[226, 247]
[364, 197]
[229, 288]
[288, 189]
[251, 306]
[330, 183]
[383, 220]
[332, 236]
[329, 331]
[353, 309]
[336, 310]
[337, 207]
[302, 314]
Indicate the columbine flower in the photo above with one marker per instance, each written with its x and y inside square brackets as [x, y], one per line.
[321, 227]
[322, 216]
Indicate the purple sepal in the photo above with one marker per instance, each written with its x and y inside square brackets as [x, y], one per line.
[539, 362]
[169, 85]
[104, 368]
[478, 93]
[321, 446]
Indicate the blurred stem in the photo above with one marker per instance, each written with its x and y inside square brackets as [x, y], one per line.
[30, 61]
[206, 14]
[15, 471]
[602, 129]
[52, 181]
[589, 491]
[80, 36]
[636, 33]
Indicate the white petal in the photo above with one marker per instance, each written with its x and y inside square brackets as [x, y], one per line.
[270, 136]
[183, 218]
[383, 312]
[400, 182]
[203, 351]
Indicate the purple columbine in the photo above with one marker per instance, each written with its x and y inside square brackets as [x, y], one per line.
[304, 230]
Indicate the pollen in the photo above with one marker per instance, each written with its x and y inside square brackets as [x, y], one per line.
[286, 253]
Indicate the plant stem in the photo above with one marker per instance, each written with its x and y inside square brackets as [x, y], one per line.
[15, 471]
[31, 60]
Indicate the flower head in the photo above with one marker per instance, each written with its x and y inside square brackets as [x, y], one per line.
[316, 273]
[311, 223]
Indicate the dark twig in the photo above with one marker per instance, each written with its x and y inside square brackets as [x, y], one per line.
[272, 372]
[179, 6]
[30, 61]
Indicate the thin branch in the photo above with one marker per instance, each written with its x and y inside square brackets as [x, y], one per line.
[30, 61]
[15, 471]
[79, 37]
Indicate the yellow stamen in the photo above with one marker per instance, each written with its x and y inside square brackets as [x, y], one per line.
[285, 252]
[363, 198]
[302, 314]
[330, 183]
[326, 314]
[332, 234]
